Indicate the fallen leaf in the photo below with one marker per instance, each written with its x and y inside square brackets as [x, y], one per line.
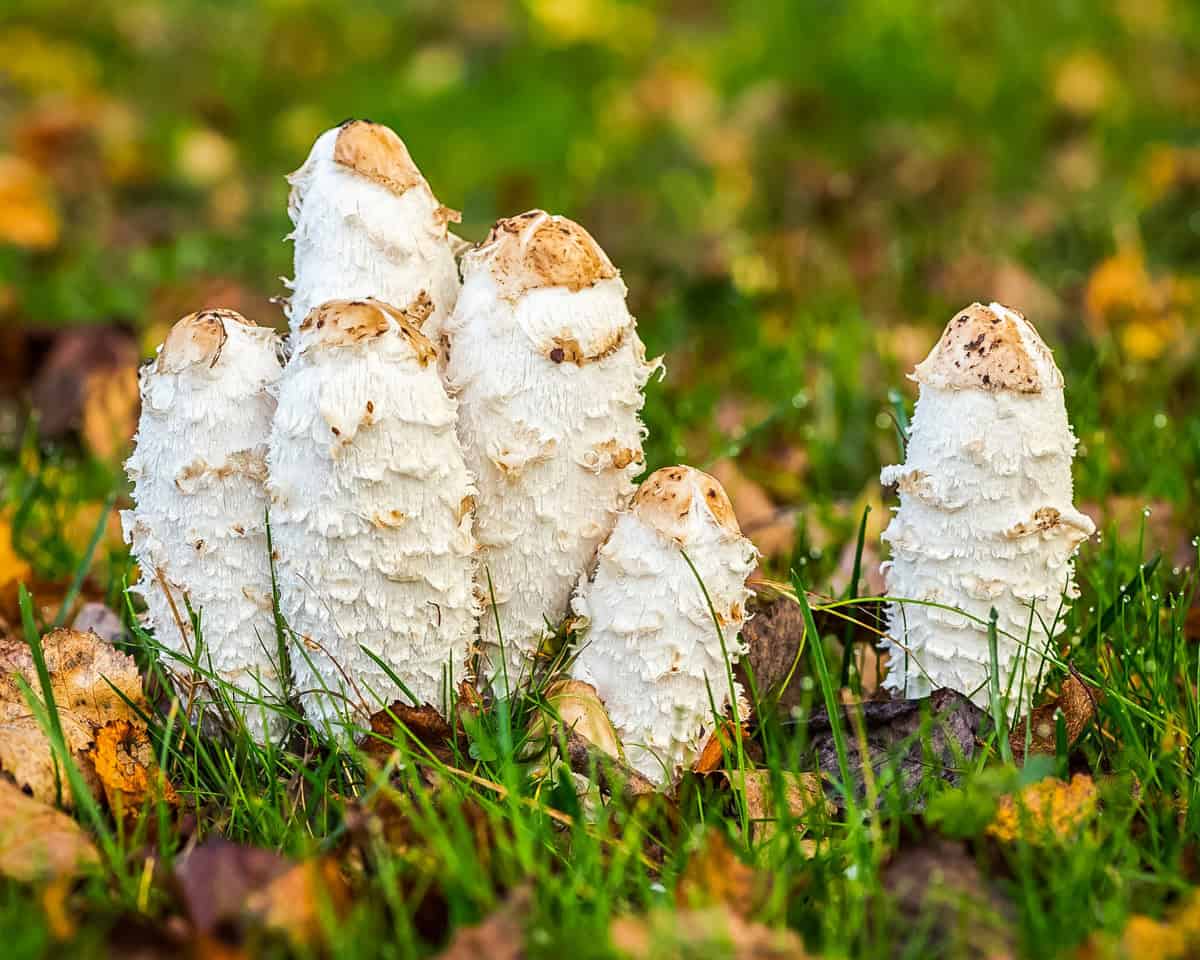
[1048, 810]
[14, 571]
[88, 678]
[941, 897]
[715, 875]
[97, 618]
[88, 383]
[110, 410]
[1175, 937]
[37, 841]
[720, 742]
[400, 723]
[216, 879]
[301, 902]
[802, 795]
[28, 218]
[1076, 700]
[123, 758]
[771, 529]
[580, 710]
[892, 729]
[499, 937]
[713, 932]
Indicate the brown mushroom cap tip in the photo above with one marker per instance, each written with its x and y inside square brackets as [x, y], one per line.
[376, 151]
[991, 348]
[665, 499]
[343, 323]
[198, 338]
[537, 249]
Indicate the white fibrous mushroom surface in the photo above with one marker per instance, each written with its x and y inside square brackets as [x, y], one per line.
[652, 648]
[986, 517]
[371, 514]
[366, 224]
[198, 526]
[549, 371]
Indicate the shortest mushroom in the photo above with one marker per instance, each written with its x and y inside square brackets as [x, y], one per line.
[653, 650]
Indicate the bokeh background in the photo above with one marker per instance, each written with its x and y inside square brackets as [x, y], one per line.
[799, 195]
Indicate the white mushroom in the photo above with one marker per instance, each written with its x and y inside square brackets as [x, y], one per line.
[652, 649]
[549, 370]
[371, 515]
[368, 225]
[198, 526]
[985, 517]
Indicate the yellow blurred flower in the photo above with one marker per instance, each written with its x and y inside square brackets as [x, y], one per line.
[203, 157]
[1145, 313]
[1083, 83]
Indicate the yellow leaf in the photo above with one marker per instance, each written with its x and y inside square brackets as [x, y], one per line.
[27, 215]
[1047, 810]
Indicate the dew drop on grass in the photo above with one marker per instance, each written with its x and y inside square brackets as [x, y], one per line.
[1146, 512]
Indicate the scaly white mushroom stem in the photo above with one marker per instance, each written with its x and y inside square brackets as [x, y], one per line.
[652, 649]
[372, 511]
[368, 225]
[985, 518]
[198, 524]
[549, 370]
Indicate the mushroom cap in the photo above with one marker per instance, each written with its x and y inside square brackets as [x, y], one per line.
[199, 339]
[990, 348]
[668, 498]
[370, 150]
[347, 323]
[537, 249]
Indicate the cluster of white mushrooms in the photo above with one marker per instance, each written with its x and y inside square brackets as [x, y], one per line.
[448, 467]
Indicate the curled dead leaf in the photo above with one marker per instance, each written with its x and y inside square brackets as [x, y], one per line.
[123, 759]
[1077, 702]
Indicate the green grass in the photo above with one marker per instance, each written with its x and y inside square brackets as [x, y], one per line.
[799, 194]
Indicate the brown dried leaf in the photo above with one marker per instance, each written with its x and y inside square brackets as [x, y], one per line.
[803, 793]
[400, 723]
[37, 841]
[84, 670]
[712, 932]
[1077, 701]
[715, 875]
[500, 937]
[715, 747]
[215, 880]
[297, 902]
[88, 382]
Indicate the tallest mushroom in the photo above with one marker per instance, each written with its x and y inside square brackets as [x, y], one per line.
[985, 518]
[368, 225]
[549, 370]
